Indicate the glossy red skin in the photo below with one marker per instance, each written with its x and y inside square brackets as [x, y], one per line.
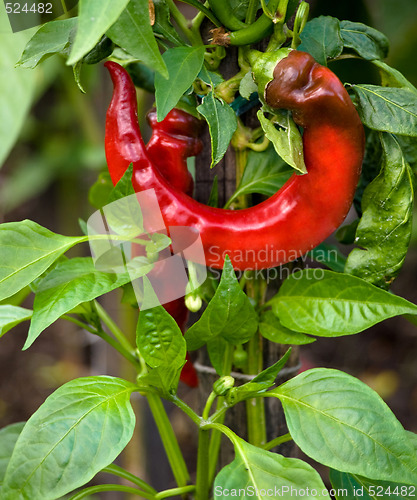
[173, 140]
[304, 212]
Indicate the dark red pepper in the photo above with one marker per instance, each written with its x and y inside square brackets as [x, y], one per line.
[305, 211]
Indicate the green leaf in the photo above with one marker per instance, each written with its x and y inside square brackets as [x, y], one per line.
[17, 86]
[94, 19]
[10, 316]
[71, 283]
[329, 255]
[287, 140]
[202, 8]
[8, 438]
[329, 304]
[184, 64]
[265, 173]
[162, 346]
[247, 86]
[133, 32]
[159, 339]
[356, 487]
[51, 38]
[368, 42]
[163, 24]
[124, 187]
[409, 149]
[387, 109]
[272, 329]
[80, 429]
[384, 231]
[27, 251]
[391, 77]
[260, 474]
[222, 124]
[98, 195]
[339, 421]
[258, 384]
[229, 314]
[216, 347]
[321, 38]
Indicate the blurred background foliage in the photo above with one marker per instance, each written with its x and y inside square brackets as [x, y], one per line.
[51, 153]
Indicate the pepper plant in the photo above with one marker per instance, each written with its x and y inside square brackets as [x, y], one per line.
[318, 147]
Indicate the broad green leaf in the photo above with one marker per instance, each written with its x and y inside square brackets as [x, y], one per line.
[162, 346]
[368, 42]
[260, 474]
[124, 187]
[329, 304]
[71, 283]
[371, 167]
[287, 141]
[387, 109]
[409, 149]
[258, 384]
[17, 86]
[339, 421]
[8, 438]
[201, 7]
[10, 316]
[229, 314]
[216, 347]
[80, 429]
[94, 19]
[265, 173]
[329, 255]
[51, 38]
[356, 487]
[163, 24]
[272, 329]
[27, 250]
[98, 195]
[222, 124]
[384, 231]
[159, 338]
[184, 64]
[391, 77]
[133, 32]
[321, 38]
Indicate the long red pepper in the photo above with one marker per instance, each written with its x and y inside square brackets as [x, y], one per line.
[305, 211]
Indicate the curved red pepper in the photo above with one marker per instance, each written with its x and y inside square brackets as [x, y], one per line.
[305, 211]
[173, 140]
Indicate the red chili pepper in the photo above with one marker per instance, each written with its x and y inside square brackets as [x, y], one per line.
[305, 211]
[173, 140]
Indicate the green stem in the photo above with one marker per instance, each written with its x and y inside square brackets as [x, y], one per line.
[215, 443]
[202, 476]
[209, 403]
[111, 487]
[173, 492]
[216, 437]
[127, 354]
[182, 23]
[115, 330]
[186, 409]
[255, 408]
[277, 441]
[115, 470]
[172, 449]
